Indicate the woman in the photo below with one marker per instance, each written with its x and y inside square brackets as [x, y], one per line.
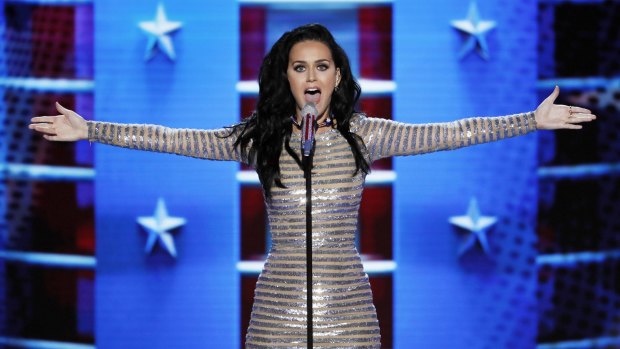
[305, 66]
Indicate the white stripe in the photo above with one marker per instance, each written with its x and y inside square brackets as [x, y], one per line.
[50, 259]
[376, 177]
[569, 259]
[44, 172]
[584, 171]
[315, 2]
[557, 2]
[370, 267]
[41, 344]
[369, 87]
[590, 343]
[49, 85]
[51, 2]
[578, 83]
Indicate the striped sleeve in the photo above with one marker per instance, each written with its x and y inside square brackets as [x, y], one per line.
[384, 138]
[216, 144]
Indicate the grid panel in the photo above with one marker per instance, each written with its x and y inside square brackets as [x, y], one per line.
[581, 301]
[39, 41]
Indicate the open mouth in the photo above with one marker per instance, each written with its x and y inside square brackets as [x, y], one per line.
[312, 95]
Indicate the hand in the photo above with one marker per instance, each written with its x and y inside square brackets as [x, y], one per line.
[69, 126]
[551, 116]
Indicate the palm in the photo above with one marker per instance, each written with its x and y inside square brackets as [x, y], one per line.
[68, 126]
[550, 116]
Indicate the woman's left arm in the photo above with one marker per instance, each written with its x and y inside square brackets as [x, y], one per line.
[384, 138]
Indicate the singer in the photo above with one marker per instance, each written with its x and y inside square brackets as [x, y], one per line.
[305, 77]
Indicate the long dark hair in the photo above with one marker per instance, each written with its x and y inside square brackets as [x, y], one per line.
[269, 126]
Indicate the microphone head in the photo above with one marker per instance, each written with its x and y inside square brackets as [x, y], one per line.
[309, 108]
[308, 124]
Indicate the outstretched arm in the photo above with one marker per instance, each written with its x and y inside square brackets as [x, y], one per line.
[384, 138]
[204, 144]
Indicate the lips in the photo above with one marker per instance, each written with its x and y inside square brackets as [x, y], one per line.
[313, 95]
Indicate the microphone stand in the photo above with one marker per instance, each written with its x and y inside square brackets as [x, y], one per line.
[307, 164]
[308, 129]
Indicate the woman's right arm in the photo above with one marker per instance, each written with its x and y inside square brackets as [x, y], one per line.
[217, 144]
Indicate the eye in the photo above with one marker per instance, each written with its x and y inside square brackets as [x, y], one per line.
[299, 68]
[323, 67]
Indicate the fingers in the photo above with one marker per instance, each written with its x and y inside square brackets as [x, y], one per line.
[43, 119]
[51, 137]
[581, 117]
[554, 94]
[580, 110]
[46, 129]
[61, 109]
[573, 109]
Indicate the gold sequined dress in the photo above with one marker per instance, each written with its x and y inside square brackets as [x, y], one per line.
[343, 312]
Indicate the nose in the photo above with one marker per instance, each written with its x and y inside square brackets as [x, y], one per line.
[310, 76]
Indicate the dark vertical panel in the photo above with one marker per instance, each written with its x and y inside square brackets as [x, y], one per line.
[375, 42]
[379, 107]
[375, 223]
[383, 298]
[248, 284]
[53, 41]
[253, 223]
[252, 43]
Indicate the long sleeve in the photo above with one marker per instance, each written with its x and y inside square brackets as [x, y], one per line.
[205, 144]
[384, 138]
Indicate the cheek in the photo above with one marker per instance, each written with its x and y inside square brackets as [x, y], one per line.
[293, 84]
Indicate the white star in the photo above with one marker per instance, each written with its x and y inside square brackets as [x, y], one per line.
[477, 30]
[157, 31]
[476, 224]
[158, 226]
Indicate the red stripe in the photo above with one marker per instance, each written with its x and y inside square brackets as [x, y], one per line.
[307, 127]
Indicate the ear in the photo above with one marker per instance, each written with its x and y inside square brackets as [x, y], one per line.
[337, 76]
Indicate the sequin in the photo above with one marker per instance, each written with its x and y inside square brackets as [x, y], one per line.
[134, 135]
[429, 137]
[104, 129]
[343, 315]
[422, 134]
[436, 140]
[126, 135]
[141, 137]
[110, 137]
[519, 128]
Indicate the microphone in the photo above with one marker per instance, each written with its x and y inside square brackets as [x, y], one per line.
[308, 127]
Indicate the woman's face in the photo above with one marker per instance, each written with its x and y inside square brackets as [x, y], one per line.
[312, 75]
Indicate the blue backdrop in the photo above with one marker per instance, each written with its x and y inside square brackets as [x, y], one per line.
[441, 300]
[155, 301]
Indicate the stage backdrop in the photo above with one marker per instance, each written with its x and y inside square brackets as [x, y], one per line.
[156, 301]
[478, 300]
[441, 300]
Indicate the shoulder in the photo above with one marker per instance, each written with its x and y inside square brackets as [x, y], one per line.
[362, 123]
[357, 122]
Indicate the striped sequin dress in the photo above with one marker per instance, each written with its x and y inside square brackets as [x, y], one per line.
[343, 312]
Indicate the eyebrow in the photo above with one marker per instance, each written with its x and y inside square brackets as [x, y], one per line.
[317, 61]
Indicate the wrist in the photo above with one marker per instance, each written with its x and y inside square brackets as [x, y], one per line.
[531, 117]
[86, 131]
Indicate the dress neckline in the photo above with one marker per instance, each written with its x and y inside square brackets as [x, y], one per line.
[322, 135]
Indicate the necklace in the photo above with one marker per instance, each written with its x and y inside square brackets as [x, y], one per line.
[328, 122]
